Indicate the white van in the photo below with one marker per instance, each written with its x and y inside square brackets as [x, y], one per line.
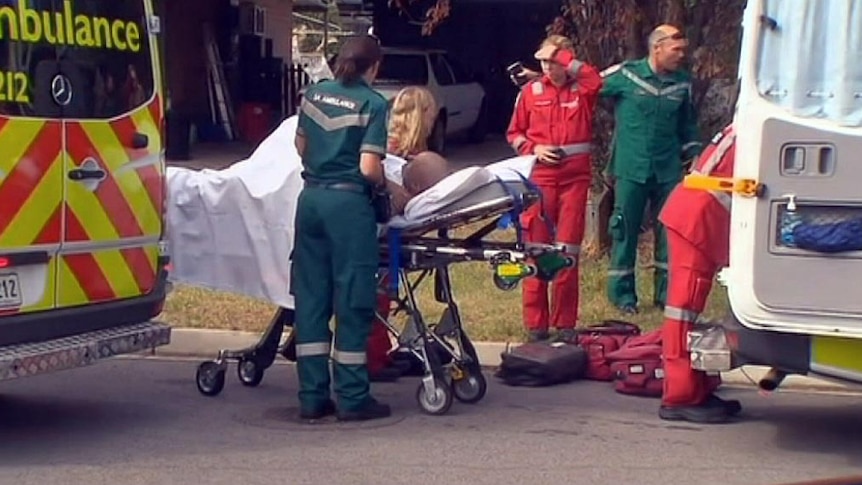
[795, 276]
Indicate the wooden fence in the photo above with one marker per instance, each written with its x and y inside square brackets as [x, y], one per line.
[295, 78]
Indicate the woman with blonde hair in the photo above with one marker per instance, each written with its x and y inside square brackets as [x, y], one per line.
[411, 121]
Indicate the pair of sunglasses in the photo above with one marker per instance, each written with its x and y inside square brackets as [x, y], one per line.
[675, 36]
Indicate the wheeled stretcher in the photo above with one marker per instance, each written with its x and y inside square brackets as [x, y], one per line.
[417, 247]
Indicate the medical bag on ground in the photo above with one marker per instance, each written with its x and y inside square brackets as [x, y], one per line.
[599, 340]
[636, 367]
[537, 364]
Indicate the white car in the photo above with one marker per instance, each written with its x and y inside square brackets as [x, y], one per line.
[460, 99]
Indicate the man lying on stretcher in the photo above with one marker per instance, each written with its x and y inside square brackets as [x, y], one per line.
[419, 174]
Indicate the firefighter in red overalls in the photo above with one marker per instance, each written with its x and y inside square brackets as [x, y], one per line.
[698, 235]
[553, 119]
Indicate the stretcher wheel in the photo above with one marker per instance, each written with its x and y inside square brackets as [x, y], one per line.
[438, 402]
[503, 284]
[249, 372]
[471, 388]
[210, 378]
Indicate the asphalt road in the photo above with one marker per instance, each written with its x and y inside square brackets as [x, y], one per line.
[143, 422]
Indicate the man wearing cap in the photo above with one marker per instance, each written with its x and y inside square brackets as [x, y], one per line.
[656, 130]
[553, 120]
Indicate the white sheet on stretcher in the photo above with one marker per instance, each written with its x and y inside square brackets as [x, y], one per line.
[232, 229]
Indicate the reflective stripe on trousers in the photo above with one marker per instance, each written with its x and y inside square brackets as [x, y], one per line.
[323, 348]
[313, 349]
[349, 358]
[680, 314]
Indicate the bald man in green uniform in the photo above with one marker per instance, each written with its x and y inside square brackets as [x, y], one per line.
[656, 130]
[341, 136]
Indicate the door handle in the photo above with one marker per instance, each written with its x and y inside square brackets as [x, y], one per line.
[86, 174]
[140, 140]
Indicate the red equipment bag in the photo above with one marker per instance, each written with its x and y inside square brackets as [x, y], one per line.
[637, 366]
[601, 339]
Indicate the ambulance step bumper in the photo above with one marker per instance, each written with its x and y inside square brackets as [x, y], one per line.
[24, 360]
[709, 348]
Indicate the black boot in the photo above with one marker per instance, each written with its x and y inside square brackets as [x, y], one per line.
[731, 406]
[371, 410]
[327, 409]
[710, 412]
[538, 336]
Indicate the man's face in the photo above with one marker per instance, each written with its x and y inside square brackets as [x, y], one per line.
[554, 71]
[670, 52]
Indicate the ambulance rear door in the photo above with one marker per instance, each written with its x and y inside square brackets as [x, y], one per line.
[796, 259]
[31, 164]
[114, 165]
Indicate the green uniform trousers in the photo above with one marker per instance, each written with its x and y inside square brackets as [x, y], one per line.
[630, 199]
[335, 258]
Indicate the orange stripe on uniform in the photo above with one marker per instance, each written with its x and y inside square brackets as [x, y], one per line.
[123, 218]
[29, 171]
[125, 129]
[84, 266]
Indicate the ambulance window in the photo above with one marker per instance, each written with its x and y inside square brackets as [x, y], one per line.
[26, 66]
[109, 63]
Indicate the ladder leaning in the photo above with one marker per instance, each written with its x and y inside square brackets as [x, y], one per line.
[217, 85]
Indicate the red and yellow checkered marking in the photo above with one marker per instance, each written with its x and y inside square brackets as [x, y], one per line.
[31, 191]
[127, 204]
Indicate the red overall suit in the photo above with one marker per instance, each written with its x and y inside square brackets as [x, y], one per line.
[698, 234]
[560, 116]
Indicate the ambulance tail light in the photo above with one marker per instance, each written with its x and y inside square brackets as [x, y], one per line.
[5, 262]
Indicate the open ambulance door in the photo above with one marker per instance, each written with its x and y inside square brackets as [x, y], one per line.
[796, 251]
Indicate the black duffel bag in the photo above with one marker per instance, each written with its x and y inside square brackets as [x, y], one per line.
[537, 364]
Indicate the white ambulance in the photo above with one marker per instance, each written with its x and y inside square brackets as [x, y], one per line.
[795, 276]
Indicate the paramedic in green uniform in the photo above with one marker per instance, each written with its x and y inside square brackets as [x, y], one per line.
[341, 136]
[656, 130]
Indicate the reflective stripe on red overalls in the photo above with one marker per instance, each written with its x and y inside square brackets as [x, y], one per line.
[698, 234]
[559, 116]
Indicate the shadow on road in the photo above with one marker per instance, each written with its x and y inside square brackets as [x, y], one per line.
[809, 430]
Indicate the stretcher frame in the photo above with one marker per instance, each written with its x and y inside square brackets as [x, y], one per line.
[451, 366]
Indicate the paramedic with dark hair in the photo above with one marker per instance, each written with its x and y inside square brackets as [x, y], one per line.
[341, 137]
[698, 234]
[553, 119]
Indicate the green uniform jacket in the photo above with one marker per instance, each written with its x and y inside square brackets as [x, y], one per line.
[339, 122]
[656, 124]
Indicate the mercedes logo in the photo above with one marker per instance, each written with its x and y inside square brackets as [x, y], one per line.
[61, 90]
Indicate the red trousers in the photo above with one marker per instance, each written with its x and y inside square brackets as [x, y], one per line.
[691, 273]
[564, 205]
[378, 343]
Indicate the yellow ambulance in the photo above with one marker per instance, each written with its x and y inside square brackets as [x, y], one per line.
[82, 183]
